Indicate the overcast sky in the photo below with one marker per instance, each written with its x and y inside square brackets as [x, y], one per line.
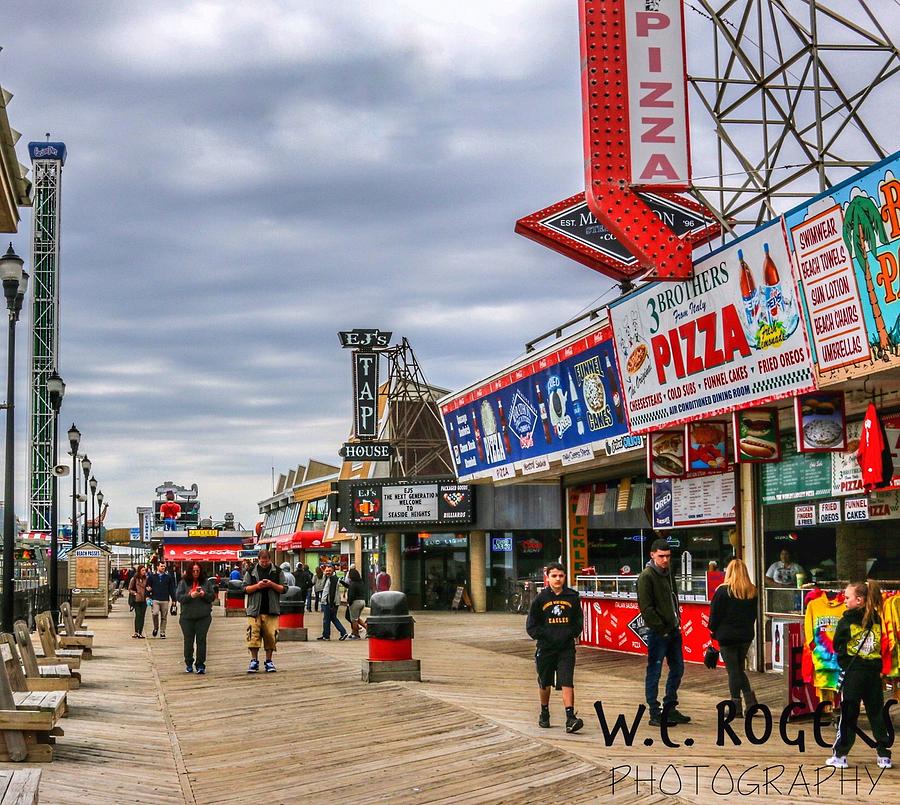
[245, 179]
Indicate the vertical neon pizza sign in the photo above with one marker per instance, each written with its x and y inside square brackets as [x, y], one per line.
[635, 123]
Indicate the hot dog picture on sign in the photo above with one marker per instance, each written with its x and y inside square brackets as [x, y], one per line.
[756, 435]
[726, 339]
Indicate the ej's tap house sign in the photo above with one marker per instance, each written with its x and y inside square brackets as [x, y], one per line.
[730, 337]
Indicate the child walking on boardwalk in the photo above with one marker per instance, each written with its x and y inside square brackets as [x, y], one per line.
[861, 647]
[554, 620]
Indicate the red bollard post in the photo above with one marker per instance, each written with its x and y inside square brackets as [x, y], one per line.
[390, 628]
[234, 603]
[290, 619]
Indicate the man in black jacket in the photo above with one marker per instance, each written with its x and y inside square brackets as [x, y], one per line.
[658, 602]
[162, 593]
[554, 620]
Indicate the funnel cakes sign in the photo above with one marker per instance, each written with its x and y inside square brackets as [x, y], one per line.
[727, 339]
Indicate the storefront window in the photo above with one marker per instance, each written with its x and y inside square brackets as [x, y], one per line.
[515, 557]
[316, 510]
[434, 565]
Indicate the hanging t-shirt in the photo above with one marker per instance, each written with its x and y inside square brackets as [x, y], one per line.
[874, 455]
[892, 631]
[821, 620]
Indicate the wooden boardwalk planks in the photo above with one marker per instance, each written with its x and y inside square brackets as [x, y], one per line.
[141, 730]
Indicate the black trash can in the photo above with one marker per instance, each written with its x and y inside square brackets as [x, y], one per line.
[292, 604]
[389, 620]
[391, 630]
[234, 598]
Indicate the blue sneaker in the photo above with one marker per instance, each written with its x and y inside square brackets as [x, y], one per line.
[189, 669]
[270, 667]
[253, 667]
[201, 669]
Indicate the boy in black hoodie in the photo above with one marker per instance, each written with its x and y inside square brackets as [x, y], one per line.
[554, 620]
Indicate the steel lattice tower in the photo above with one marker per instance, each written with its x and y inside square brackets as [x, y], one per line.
[799, 93]
[47, 161]
[414, 424]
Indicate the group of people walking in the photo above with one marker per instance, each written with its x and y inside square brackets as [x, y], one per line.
[555, 621]
[191, 599]
[192, 596]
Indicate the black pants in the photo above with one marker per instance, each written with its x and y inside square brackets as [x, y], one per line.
[140, 612]
[735, 659]
[862, 684]
[195, 629]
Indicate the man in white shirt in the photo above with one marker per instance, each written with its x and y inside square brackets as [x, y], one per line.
[784, 572]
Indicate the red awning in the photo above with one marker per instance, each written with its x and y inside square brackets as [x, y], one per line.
[202, 553]
[304, 540]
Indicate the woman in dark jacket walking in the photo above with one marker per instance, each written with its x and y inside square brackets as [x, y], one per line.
[196, 594]
[732, 619]
[137, 598]
[356, 601]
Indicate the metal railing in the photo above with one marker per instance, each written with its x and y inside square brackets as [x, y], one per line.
[30, 598]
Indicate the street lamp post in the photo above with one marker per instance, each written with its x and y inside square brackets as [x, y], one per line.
[93, 483]
[56, 389]
[99, 514]
[86, 469]
[74, 441]
[15, 283]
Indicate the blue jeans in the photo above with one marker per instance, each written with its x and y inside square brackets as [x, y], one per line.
[670, 649]
[329, 616]
[309, 593]
[169, 524]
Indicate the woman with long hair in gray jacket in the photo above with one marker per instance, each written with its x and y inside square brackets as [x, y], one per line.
[195, 595]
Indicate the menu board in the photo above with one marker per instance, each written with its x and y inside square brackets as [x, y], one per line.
[796, 476]
[729, 338]
[694, 500]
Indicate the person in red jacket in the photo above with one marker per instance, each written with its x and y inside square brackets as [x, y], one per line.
[170, 511]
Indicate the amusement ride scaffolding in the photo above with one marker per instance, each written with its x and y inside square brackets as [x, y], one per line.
[47, 163]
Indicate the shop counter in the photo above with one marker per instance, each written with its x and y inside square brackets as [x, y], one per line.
[612, 619]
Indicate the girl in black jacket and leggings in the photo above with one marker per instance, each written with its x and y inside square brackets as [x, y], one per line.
[732, 619]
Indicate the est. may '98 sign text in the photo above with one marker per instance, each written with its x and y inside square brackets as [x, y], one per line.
[408, 503]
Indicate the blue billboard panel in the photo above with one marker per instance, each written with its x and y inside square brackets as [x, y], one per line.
[559, 402]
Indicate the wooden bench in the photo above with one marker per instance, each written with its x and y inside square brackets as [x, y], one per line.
[53, 652]
[81, 613]
[28, 722]
[19, 787]
[73, 638]
[57, 676]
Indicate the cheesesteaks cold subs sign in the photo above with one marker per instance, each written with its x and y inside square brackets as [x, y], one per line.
[726, 339]
[376, 503]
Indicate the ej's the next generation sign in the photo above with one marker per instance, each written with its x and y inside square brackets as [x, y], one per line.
[411, 503]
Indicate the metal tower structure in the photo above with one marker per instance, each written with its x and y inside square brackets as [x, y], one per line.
[47, 161]
[413, 424]
[799, 93]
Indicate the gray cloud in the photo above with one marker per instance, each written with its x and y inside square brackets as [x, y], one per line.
[246, 179]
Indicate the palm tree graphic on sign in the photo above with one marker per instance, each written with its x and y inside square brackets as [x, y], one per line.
[862, 223]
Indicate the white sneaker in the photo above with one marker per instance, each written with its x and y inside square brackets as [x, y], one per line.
[884, 762]
[837, 762]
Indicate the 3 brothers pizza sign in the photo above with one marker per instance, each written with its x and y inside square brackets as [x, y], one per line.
[729, 338]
